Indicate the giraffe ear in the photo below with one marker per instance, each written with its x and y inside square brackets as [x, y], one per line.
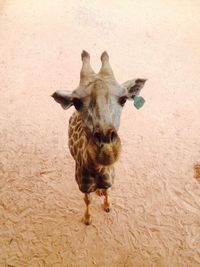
[134, 87]
[64, 98]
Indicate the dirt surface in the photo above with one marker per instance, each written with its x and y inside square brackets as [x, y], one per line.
[155, 218]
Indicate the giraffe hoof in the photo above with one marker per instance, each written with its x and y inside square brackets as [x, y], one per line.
[107, 209]
[87, 221]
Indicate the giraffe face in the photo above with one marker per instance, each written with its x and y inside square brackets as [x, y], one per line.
[99, 100]
[99, 105]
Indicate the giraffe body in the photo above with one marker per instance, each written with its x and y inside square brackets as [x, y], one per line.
[93, 140]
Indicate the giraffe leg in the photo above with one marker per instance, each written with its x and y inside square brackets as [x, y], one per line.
[106, 204]
[87, 217]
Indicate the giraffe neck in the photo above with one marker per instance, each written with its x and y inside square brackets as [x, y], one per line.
[81, 147]
[88, 175]
[78, 142]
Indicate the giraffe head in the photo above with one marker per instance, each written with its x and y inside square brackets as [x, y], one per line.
[99, 99]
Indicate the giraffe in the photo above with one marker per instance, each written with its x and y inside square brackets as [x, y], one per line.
[93, 138]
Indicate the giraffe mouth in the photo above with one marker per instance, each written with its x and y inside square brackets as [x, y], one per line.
[108, 154]
[106, 160]
[104, 154]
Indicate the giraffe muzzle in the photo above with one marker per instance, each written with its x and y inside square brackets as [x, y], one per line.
[107, 137]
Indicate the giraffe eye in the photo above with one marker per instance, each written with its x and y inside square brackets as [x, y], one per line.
[77, 103]
[122, 100]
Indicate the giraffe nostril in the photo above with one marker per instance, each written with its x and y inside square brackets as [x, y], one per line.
[112, 135]
[100, 138]
[97, 137]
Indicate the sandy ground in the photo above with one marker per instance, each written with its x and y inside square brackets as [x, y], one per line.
[155, 220]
